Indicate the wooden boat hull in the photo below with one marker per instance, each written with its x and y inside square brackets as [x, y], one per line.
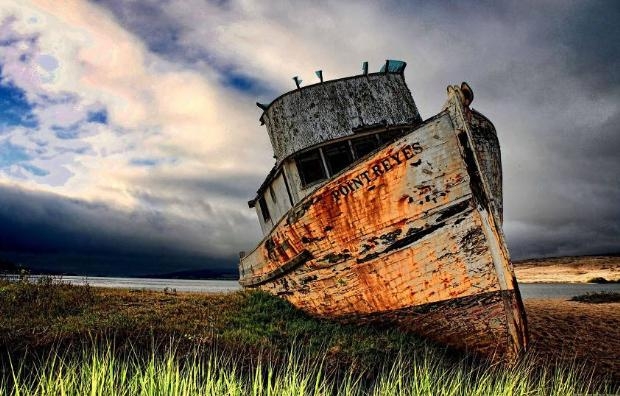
[410, 235]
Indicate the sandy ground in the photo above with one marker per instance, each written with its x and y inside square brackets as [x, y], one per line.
[568, 269]
[573, 332]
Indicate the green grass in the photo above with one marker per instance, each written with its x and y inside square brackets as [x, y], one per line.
[38, 315]
[59, 339]
[99, 369]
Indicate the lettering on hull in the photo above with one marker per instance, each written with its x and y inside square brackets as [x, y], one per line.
[378, 169]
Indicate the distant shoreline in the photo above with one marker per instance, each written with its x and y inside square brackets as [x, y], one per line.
[164, 276]
[580, 269]
[569, 269]
[202, 274]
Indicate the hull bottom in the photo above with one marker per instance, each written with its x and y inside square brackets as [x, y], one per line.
[479, 321]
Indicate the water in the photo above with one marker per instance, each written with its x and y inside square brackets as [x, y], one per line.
[180, 285]
[528, 290]
[564, 290]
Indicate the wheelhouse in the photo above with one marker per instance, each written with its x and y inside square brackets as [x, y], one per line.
[319, 130]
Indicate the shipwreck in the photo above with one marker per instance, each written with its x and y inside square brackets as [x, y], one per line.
[373, 214]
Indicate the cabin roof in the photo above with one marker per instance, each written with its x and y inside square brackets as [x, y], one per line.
[326, 111]
[266, 107]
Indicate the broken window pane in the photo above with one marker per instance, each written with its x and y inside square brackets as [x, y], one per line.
[364, 145]
[390, 136]
[263, 208]
[310, 167]
[338, 156]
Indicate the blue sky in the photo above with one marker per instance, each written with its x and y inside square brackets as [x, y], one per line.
[15, 110]
[129, 127]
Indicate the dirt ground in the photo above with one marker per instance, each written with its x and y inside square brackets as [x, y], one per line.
[568, 269]
[583, 333]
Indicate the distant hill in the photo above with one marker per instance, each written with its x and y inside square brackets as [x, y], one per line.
[580, 269]
[7, 266]
[131, 266]
[596, 259]
[223, 274]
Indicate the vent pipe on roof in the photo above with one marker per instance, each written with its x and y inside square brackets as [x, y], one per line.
[297, 81]
[393, 66]
[365, 68]
[319, 74]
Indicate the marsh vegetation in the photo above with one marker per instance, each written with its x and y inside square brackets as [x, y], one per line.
[60, 339]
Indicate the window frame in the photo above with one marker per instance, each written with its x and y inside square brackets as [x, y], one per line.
[333, 145]
[299, 163]
[381, 139]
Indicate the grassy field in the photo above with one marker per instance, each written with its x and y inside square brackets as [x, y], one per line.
[100, 370]
[58, 339]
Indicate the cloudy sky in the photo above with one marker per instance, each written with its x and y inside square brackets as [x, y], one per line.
[130, 142]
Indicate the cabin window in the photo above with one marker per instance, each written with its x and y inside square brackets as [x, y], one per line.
[263, 208]
[390, 136]
[338, 156]
[310, 167]
[273, 194]
[364, 145]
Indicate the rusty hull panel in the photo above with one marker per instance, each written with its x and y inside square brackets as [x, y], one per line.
[411, 236]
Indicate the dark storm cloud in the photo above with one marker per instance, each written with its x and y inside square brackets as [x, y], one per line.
[35, 225]
[547, 75]
[160, 31]
[562, 192]
[591, 35]
[194, 195]
[238, 186]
